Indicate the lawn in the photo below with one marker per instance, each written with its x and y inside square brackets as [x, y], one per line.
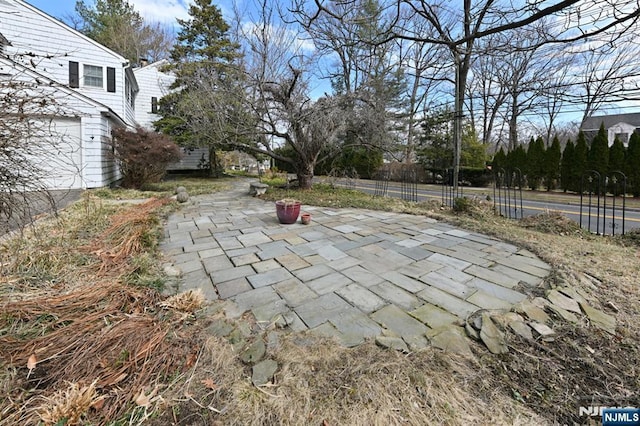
[87, 337]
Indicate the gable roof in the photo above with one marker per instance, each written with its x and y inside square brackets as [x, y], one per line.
[104, 109]
[593, 123]
[71, 30]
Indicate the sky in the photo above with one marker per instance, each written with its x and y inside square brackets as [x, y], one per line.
[163, 11]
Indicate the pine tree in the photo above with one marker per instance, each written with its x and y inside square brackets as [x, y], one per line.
[616, 164]
[499, 161]
[552, 164]
[632, 165]
[598, 156]
[580, 163]
[203, 56]
[535, 163]
[567, 166]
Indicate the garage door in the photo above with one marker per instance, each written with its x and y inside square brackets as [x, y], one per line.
[61, 151]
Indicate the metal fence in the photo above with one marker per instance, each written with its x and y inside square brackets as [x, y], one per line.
[507, 193]
[603, 202]
[450, 191]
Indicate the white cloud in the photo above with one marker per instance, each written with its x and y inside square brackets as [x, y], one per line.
[162, 11]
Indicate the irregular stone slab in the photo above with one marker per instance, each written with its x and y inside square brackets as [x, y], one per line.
[448, 302]
[492, 337]
[254, 352]
[398, 321]
[521, 329]
[450, 339]
[487, 301]
[219, 328]
[471, 332]
[433, 316]
[601, 320]
[396, 295]
[532, 311]
[545, 332]
[416, 343]
[502, 320]
[563, 301]
[573, 293]
[389, 342]
[263, 372]
[361, 298]
[563, 313]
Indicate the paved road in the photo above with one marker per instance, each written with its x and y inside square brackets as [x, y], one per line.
[352, 274]
[607, 219]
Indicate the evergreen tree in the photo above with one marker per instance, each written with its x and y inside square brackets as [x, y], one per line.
[632, 165]
[552, 164]
[516, 163]
[535, 163]
[598, 156]
[203, 56]
[580, 163]
[616, 164]
[567, 166]
[499, 161]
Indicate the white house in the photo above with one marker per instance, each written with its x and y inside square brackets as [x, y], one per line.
[95, 90]
[621, 126]
[154, 83]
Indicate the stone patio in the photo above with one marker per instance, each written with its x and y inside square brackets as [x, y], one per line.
[352, 274]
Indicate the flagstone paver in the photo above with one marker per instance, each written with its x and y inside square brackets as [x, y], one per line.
[352, 274]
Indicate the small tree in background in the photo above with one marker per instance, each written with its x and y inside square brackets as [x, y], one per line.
[598, 156]
[535, 163]
[632, 165]
[580, 162]
[143, 155]
[616, 164]
[552, 164]
[567, 166]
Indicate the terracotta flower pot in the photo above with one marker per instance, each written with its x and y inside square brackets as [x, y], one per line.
[288, 211]
[305, 218]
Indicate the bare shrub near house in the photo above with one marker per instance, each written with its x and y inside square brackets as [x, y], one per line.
[143, 156]
[33, 148]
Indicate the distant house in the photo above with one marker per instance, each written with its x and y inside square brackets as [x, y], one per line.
[154, 83]
[95, 90]
[621, 126]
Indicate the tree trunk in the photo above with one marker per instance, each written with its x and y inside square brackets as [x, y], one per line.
[304, 173]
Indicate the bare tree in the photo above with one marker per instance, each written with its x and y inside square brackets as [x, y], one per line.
[33, 150]
[278, 95]
[607, 73]
[459, 28]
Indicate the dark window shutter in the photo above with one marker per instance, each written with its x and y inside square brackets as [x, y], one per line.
[74, 74]
[154, 104]
[111, 79]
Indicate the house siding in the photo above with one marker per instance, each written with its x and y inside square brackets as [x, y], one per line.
[47, 53]
[41, 43]
[153, 83]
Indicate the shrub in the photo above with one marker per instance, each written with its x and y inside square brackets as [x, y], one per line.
[143, 155]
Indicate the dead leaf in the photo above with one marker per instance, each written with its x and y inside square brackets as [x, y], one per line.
[97, 405]
[208, 383]
[31, 362]
[191, 360]
[143, 400]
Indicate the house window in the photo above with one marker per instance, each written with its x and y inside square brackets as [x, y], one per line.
[623, 137]
[92, 76]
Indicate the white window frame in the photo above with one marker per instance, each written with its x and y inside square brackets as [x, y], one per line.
[87, 78]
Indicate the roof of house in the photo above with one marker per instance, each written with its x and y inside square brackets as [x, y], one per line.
[68, 28]
[43, 79]
[593, 123]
